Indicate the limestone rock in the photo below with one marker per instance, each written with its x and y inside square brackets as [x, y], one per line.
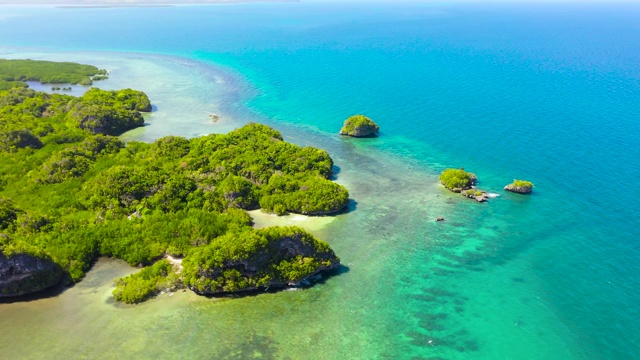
[22, 274]
[477, 195]
[520, 187]
[359, 126]
[267, 258]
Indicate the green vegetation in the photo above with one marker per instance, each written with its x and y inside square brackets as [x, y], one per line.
[30, 118]
[256, 259]
[520, 186]
[70, 192]
[99, 77]
[146, 283]
[8, 213]
[457, 179]
[359, 126]
[473, 192]
[522, 183]
[13, 73]
[6, 85]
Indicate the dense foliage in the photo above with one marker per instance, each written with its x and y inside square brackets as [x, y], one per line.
[146, 283]
[278, 255]
[31, 119]
[457, 179]
[13, 73]
[522, 183]
[8, 213]
[71, 193]
[359, 125]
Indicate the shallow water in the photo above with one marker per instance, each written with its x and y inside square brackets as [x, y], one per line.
[547, 93]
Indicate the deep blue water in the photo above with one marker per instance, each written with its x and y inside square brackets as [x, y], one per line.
[548, 93]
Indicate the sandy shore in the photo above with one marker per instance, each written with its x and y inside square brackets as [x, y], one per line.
[177, 263]
[309, 223]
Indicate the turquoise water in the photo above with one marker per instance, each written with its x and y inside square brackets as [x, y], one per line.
[548, 93]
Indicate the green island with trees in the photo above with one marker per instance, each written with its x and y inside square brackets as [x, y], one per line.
[457, 180]
[71, 192]
[359, 126]
[14, 73]
[463, 182]
[520, 187]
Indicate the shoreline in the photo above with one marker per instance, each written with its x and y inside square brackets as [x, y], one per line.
[231, 92]
[182, 90]
[138, 3]
[231, 107]
[241, 91]
[309, 223]
[489, 281]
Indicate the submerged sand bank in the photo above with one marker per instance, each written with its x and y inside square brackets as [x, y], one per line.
[184, 93]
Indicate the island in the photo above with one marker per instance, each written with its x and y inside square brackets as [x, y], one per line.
[520, 187]
[463, 182]
[14, 73]
[70, 192]
[457, 180]
[359, 126]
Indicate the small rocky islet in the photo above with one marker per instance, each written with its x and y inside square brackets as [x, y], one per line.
[359, 126]
[464, 183]
[520, 187]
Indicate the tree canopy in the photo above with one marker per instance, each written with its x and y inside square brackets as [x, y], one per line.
[457, 179]
[70, 191]
[13, 73]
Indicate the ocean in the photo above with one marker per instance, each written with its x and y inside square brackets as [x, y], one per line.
[548, 93]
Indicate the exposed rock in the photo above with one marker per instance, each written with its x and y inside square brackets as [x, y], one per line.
[440, 218]
[277, 258]
[22, 274]
[478, 195]
[526, 188]
[359, 126]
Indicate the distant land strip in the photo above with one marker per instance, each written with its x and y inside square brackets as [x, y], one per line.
[129, 3]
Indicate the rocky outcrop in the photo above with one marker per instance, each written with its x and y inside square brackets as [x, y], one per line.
[359, 126]
[22, 274]
[267, 258]
[520, 188]
[477, 195]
